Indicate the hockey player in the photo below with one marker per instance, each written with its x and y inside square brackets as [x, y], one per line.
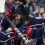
[30, 22]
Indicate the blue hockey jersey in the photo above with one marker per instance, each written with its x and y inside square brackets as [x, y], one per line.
[6, 36]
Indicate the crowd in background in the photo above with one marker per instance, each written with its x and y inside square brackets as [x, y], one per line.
[35, 10]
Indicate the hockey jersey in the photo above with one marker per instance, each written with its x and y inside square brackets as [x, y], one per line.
[6, 36]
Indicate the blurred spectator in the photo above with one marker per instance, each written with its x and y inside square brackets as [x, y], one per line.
[27, 2]
[33, 6]
[41, 11]
[17, 2]
[8, 4]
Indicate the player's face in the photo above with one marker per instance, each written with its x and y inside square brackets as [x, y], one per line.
[17, 18]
